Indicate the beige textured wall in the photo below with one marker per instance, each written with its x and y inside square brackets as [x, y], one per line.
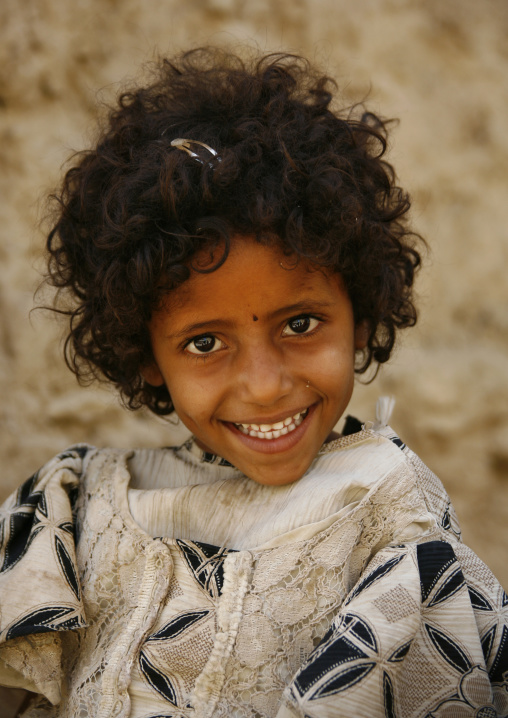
[440, 66]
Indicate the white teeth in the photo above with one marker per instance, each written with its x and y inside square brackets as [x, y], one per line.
[273, 431]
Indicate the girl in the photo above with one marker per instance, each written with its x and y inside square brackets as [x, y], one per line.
[233, 250]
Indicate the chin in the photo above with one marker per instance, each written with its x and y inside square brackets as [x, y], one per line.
[272, 477]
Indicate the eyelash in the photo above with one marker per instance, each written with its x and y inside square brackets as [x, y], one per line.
[213, 350]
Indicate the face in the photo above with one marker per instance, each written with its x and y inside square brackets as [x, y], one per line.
[258, 357]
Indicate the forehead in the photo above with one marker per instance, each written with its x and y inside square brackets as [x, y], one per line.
[254, 277]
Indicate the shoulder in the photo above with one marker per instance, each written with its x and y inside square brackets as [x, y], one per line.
[390, 465]
[423, 632]
[70, 461]
[45, 502]
[429, 485]
[40, 592]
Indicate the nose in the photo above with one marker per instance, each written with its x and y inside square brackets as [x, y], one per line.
[263, 376]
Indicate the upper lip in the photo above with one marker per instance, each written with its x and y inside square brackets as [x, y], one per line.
[271, 419]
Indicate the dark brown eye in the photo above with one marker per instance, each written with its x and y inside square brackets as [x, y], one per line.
[300, 325]
[203, 345]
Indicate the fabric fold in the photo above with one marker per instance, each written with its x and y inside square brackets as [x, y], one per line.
[406, 642]
[40, 591]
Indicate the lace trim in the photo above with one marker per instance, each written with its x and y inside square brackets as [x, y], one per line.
[155, 582]
[237, 575]
[37, 658]
[344, 442]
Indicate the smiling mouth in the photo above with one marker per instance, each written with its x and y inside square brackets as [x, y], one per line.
[273, 431]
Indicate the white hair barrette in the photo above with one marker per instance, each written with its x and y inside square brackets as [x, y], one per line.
[186, 145]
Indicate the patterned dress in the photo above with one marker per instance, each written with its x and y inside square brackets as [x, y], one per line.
[165, 584]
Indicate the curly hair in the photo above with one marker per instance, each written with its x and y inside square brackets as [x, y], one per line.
[133, 211]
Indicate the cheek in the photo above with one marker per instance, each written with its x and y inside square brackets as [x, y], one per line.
[194, 400]
[334, 372]
[334, 359]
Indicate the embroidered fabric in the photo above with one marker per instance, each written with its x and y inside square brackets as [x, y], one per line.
[297, 589]
[261, 621]
[34, 663]
[404, 643]
[125, 576]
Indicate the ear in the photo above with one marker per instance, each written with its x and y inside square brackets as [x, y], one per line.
[361, 335]
[152, 375]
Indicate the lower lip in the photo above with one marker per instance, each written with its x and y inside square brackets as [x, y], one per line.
[274, 446]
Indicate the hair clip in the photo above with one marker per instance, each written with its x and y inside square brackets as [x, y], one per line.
[186, 145]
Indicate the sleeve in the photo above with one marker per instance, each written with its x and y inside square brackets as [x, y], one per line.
[423, 634]
[40, 594]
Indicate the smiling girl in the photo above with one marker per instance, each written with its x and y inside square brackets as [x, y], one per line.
[264, 380]
[233, 249]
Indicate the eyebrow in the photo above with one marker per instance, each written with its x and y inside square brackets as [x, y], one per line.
[303, 306]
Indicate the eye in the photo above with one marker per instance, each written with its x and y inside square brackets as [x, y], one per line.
[300, 325]
[205, 344]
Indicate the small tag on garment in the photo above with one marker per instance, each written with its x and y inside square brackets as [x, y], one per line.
[384, 409]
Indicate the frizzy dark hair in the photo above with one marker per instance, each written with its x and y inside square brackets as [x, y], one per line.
[133, 211]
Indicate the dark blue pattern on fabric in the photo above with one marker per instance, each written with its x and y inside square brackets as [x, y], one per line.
[449, 649]
[378, 573]
[446, 521]
[434, 558]
[177, 625]
[388, 696]
[329, 655]
[398, 442]
[209, 458]
[157, 679]
[362, 631]
[27, 520]
[67, 566]
[340, 650]
[157, 675]
[73, 452]
[478, 600]
[487, 642]
[343, 680]
[351, 652]
[44, 620]
[453, 583]
[21, 522]
[30, 515]
[499, 670]
[206, 563]
[400, 653]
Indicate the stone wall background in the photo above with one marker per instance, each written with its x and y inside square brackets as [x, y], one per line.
[440, 66]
